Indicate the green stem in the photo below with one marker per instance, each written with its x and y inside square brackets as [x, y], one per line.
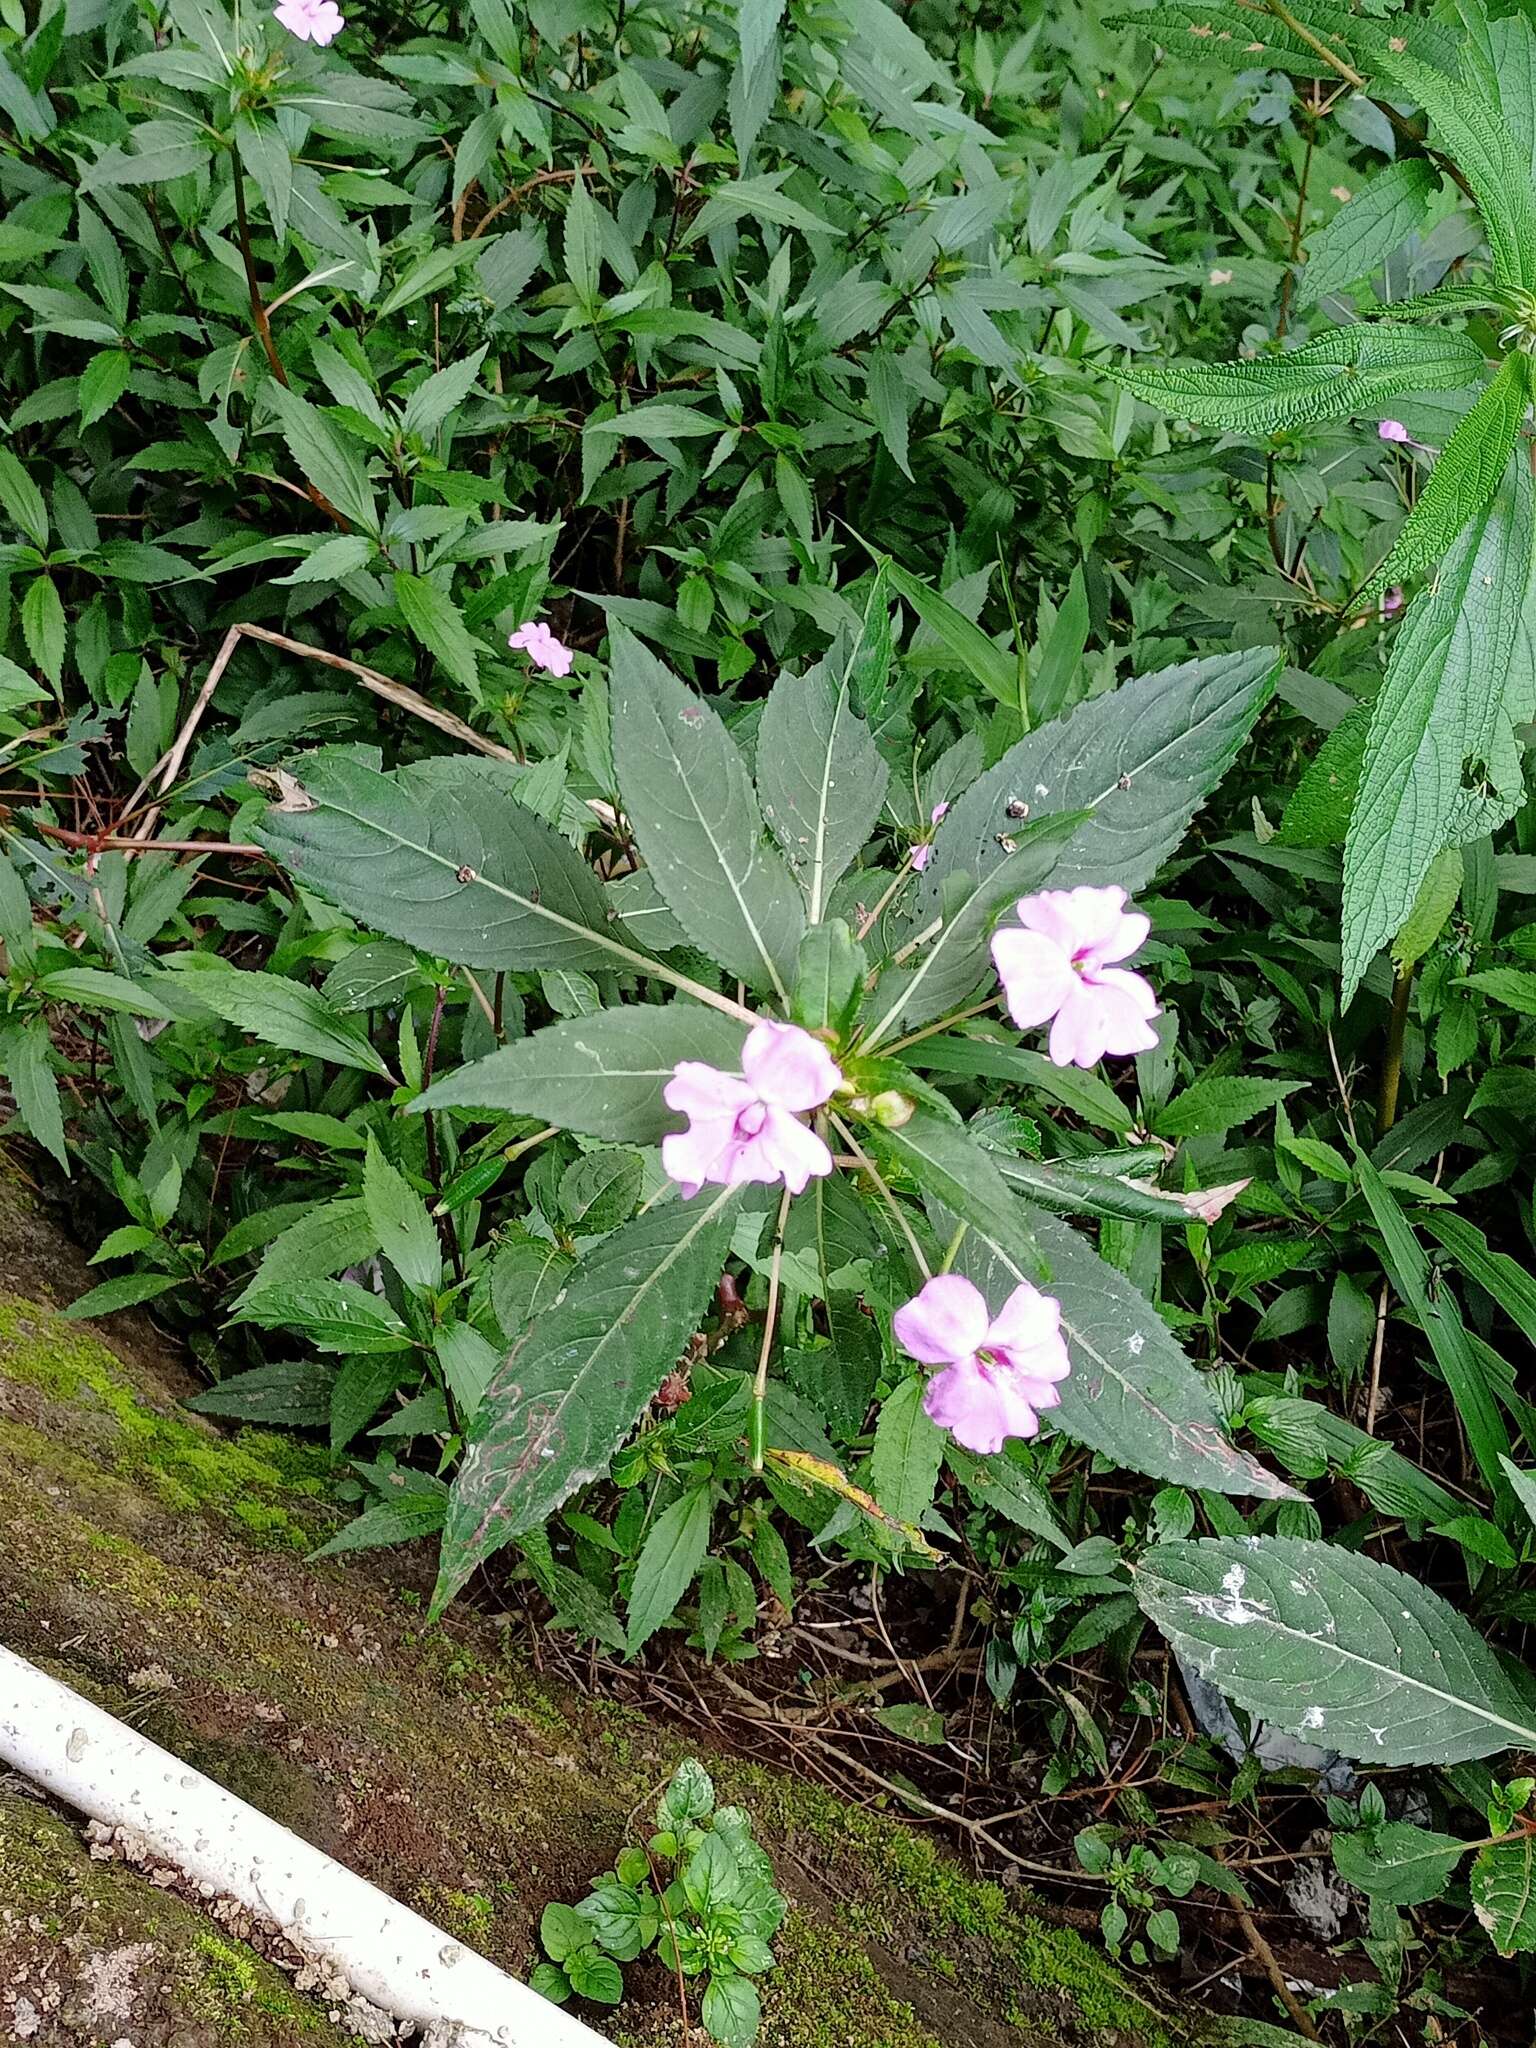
[757, 1430]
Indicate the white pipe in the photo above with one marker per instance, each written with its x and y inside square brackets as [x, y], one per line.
[399, 1961]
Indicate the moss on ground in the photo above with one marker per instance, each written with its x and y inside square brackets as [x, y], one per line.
[93, 1952]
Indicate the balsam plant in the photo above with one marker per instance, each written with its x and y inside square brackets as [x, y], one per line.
[700, 1893]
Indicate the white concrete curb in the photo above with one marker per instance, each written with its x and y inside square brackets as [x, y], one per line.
[399, 1961]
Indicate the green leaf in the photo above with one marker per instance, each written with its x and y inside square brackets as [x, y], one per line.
[26, 1060]
[1473, 133]
[595, 1976]
[1349, 370]
[562, 1930]
[711, 1877]
[1203, 32]
[909, 1449]
[95, 989]
[428, 274]
[439, 395]
[579, 1376]
[601, 1075]
[1403, 1864]
[599, 1191]
[1462, 482]
[819, 778]
[1318, 811]
[1432, 907]
[288, 1394]
[433, 619]
[1001, 1485]
[668, 1564]
[830, 978]
[102, 383]
[698, 825]
[1062, 653]
[731, 2011]
[1142, 759]
[325, 458]
[996, 671]
[581, 242]
[441, 855]
[333, 560]
[1458, 1358]
[330, 1237]
[1207, 1108]
[43, 628]
[400, 1221]
[1504, 1895]
[128, 1290]
[1437, 725]
[653, 420]
[550, 1982]
[1332, 1646]
[335, 1315]
[280, 1013]
[1514, 987]
[1367, 229]
[22, 501]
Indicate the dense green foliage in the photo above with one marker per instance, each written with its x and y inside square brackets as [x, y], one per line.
[947, 446]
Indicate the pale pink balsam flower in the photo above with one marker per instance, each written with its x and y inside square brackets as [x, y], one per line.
[922, 853]
[312, 21]
[1055, 966]
[999, 1371]
[1394, 430]
[542, 648]
[746, 1127]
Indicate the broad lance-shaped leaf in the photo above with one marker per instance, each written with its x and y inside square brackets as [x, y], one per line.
[1142, 759]
[1335, 1647]
[1131, 1394]
[1460, 669]
[686, 791]
[1207, 31]
[601, 1075]
[819, 778]
[441, 855]
[279, 1012]
[580, 1374]
[1397, 1861]
[1367, 229]
[1461, 483]
[1350, 370]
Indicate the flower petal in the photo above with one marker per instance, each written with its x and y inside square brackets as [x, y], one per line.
[944, 1323]
[978, 1406]
[1074, 918]
[788, 1067]
[1027, 1320]
[1036, 974]
[797, 1153]
[700, 1090]
[1100, 1018]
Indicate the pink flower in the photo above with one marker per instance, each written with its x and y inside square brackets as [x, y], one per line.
[1394, 430]
[999, 1371]
[312, 21]
[1058, 967]
[1391, 601]
[747, 1127]
[922, 853]
[541, 647]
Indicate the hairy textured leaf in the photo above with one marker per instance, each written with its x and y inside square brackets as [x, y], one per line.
[1206, 1108]
[1473, 132]
[1461, 483]
[819, 778]
[1206, 31]
[1350, 370]
[441, 855]
[1398, 1862]
[686, 791]
[909, 1449]
[1368, 229]
[432, 617]
[1142, 759]
[579, 1375]
[400, 1221]
[601, 1075]
[1335, 1647]
[1460, 651]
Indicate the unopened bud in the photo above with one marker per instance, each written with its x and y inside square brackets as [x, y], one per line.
[891, 1109]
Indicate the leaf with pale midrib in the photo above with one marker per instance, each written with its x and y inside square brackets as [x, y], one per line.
[440, 855]
[1333, 1646]
[819, 778]
[1142, 759]
[580, 1374]
[686, 792]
